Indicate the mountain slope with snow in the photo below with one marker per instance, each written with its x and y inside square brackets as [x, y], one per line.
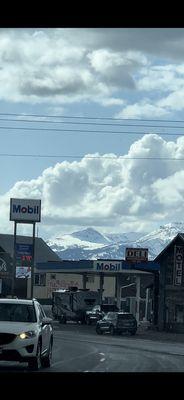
[91, 244]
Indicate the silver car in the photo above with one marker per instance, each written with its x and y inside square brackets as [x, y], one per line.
[26, 333]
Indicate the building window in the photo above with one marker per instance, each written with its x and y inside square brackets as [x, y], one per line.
[52, 276]
[39, 279]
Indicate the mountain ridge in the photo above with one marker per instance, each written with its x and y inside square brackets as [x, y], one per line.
[91, 244]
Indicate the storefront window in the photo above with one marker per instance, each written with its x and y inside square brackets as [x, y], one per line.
[39, 279]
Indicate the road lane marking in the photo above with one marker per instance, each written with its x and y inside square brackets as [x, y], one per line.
[73, 358]
[144, 346]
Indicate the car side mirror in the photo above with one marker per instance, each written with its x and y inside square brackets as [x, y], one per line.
[46, 321]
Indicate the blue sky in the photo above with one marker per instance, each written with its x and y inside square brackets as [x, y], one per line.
[104, 179]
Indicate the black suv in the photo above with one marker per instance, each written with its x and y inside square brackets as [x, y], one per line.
[98, 312]
[117, 322]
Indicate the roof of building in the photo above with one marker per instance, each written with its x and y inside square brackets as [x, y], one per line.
[179, 235]
[43, 253]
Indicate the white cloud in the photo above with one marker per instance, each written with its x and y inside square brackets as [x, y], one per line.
[43, 66]
[109, 191]
[104, 66]
[161, 78]
[170, 192]
[143, 109]
[174, 101]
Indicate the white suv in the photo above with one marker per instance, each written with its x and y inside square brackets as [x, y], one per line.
[26, 333]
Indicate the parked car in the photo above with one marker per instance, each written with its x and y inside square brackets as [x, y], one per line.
[26, 333]
[98, 312]
[117, 322]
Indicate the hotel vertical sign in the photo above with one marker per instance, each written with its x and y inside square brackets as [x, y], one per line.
[178, 265]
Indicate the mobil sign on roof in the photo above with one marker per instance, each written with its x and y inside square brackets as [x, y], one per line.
[25, 210]
[107, 266]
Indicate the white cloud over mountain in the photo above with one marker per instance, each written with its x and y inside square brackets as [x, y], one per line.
[110, 192]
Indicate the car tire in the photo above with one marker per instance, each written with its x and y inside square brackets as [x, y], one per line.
[62, 320]
[88, 321]
[98, 330]
[133, 333]
[47, 360]
[36, 363]
[112, 331]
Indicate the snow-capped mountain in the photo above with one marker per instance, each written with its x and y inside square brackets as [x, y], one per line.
[91, 244]
[91, 235]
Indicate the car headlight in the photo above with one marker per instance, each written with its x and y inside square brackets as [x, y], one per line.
[27, 335]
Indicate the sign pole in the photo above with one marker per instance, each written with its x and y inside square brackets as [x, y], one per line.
[24, 211]
[33, 258]
[14, 259]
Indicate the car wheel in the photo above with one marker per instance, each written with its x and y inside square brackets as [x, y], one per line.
[62, 320]
[133, 333]
[36, 363]
[112, 332]
[98, 330]
[88, 321]
[46, 361]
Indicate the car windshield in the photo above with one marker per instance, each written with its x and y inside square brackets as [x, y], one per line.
[17, 312]
[110, 315]
[89, 302]
[109, 307]
[125, 316]
[96, 308]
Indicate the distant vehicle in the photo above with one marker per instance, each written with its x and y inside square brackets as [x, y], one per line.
[117, 322]
[73, 303]
[98, 312]
[26, 334]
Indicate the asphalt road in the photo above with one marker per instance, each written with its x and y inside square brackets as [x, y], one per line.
[78, 348]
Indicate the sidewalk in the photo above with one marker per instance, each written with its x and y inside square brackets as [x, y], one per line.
[146, 332]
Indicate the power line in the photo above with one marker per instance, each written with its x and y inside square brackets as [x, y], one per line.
[90, 157]
[86, 131]
[88, 123]
[93, 117]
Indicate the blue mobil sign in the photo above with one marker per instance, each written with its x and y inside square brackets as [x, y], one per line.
[120, 266]
[24, 254]
[25, 210]
[107, 266]
[23, 249]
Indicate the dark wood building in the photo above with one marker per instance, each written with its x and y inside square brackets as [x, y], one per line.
[171, 286]
[42, 253]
